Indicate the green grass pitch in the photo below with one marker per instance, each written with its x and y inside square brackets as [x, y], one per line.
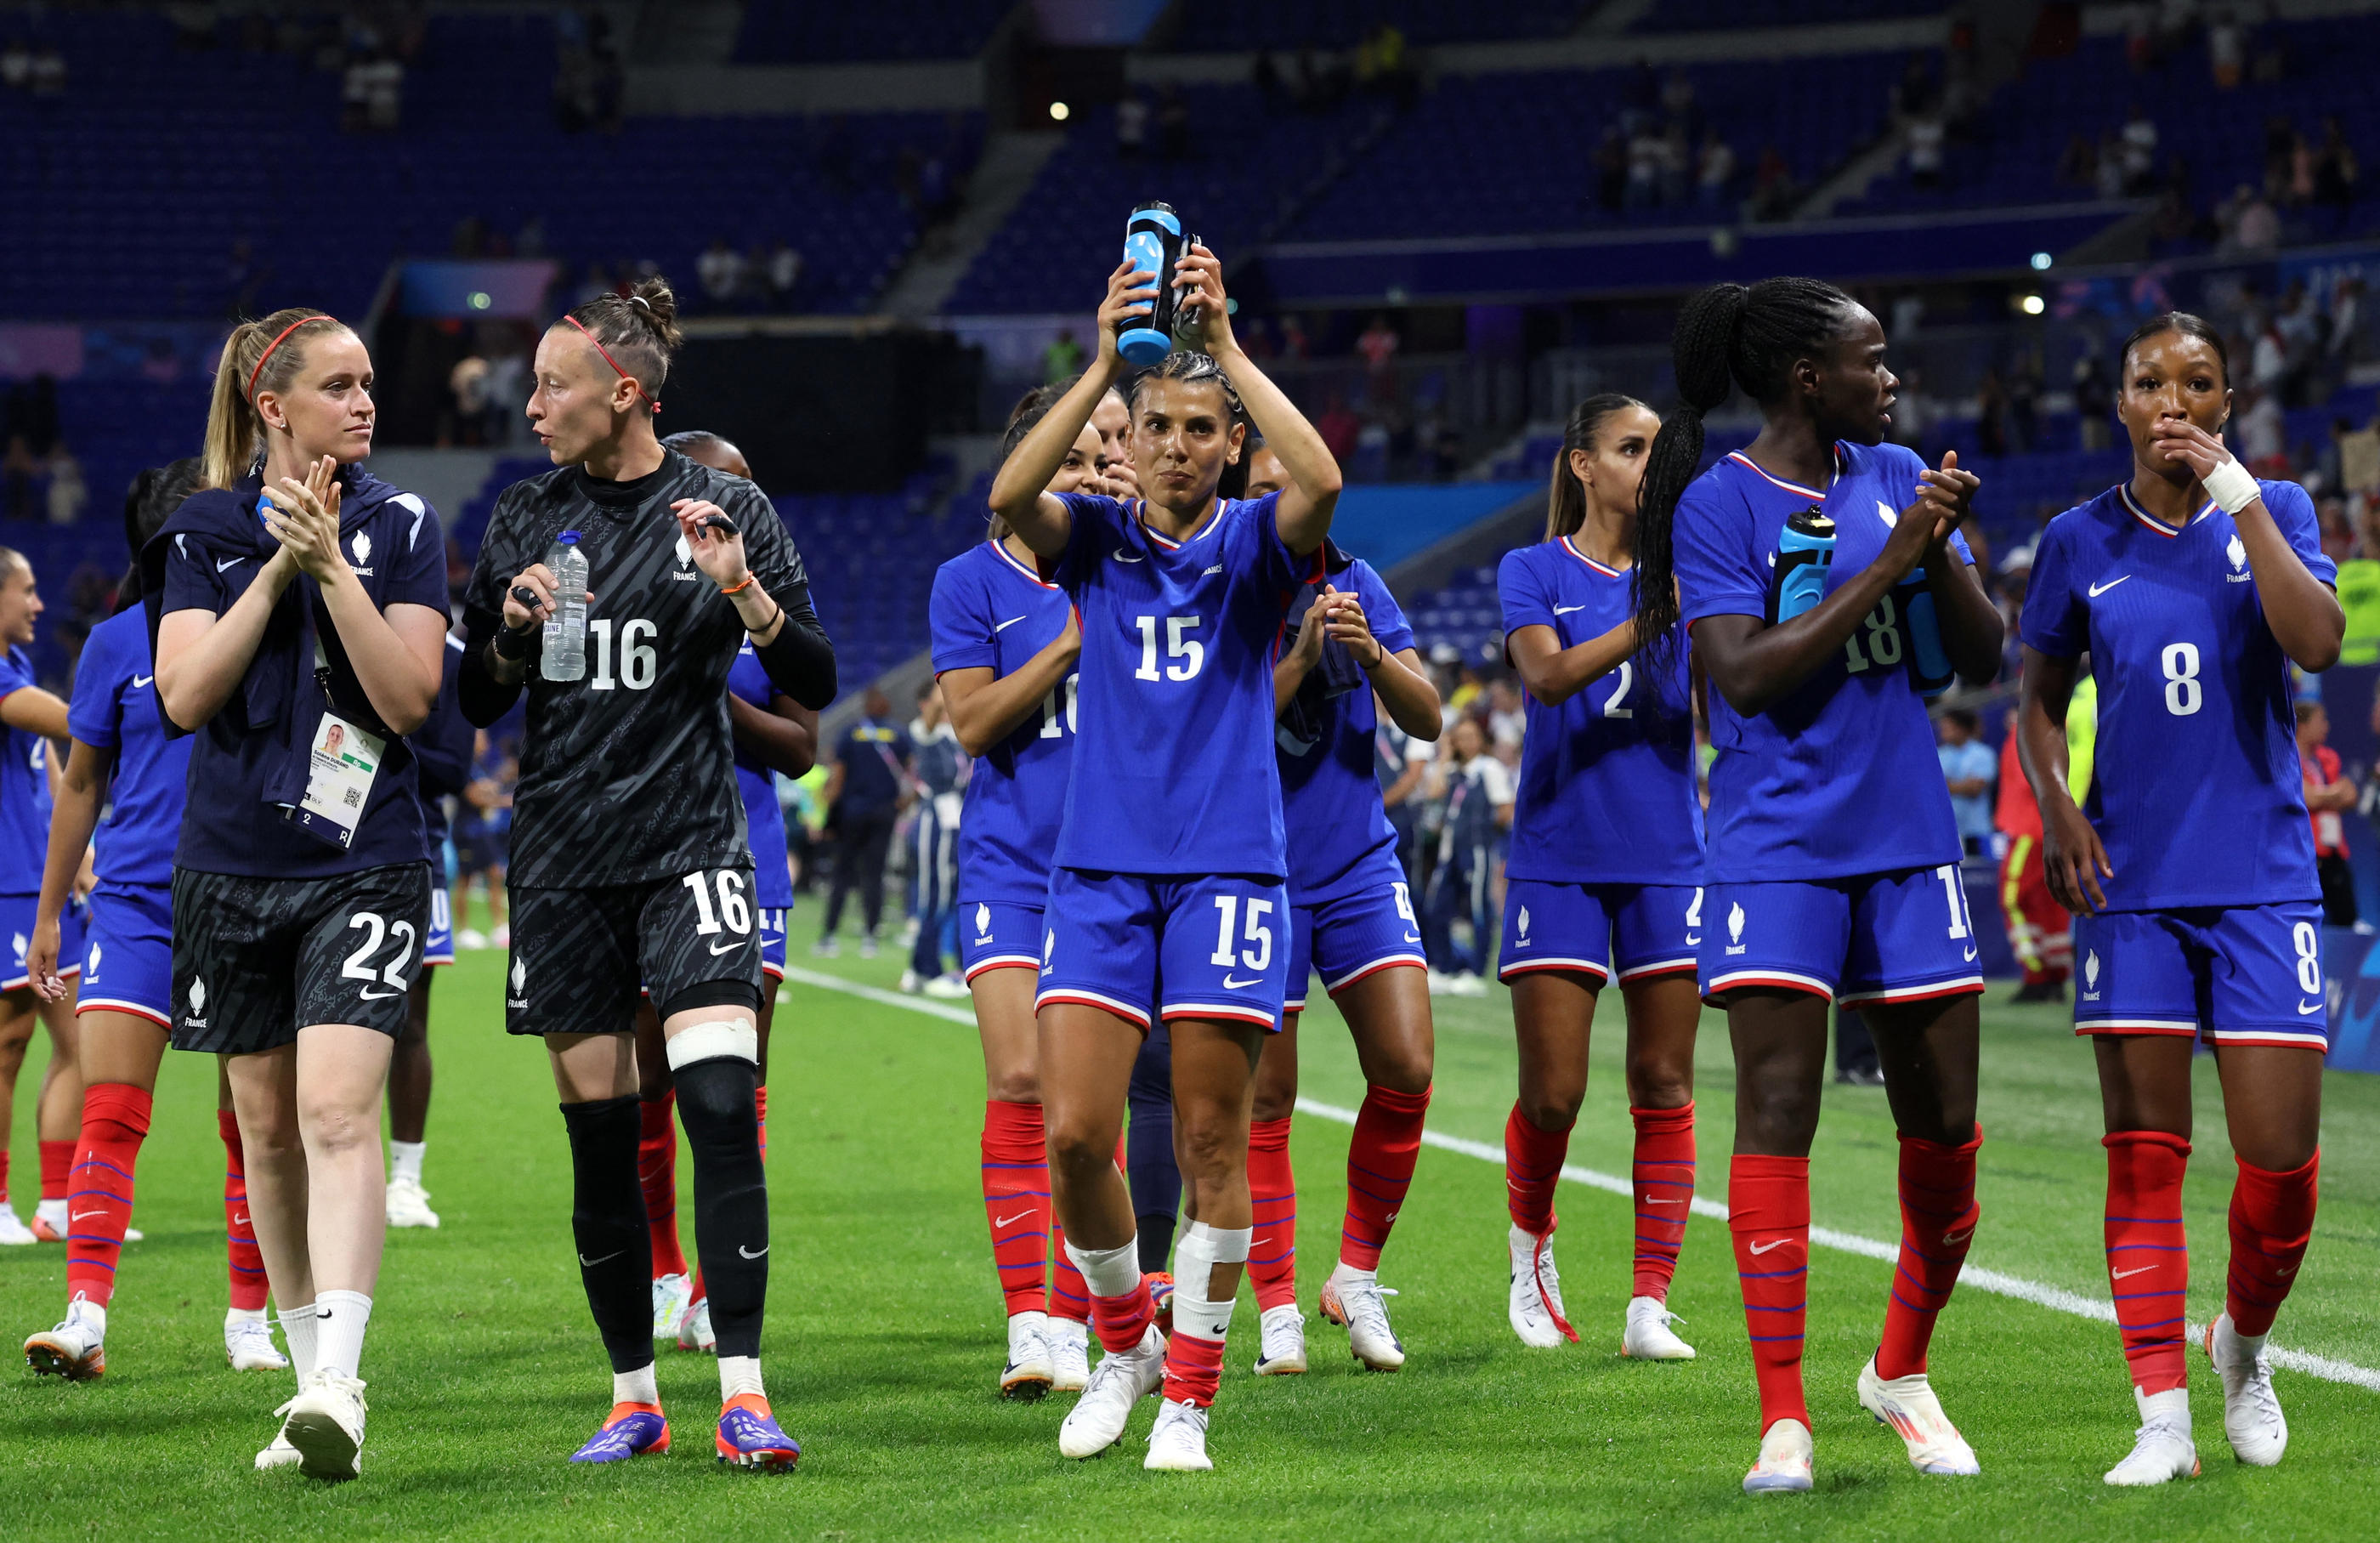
[884, 1333]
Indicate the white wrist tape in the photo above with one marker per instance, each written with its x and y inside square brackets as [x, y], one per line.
[712, 1039]
[2233, 486]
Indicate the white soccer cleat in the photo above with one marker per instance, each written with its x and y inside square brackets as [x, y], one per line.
[409, 1204]
[1647, 1335]
[1178, 1442]
[694, 1329]
[672, 1294]
[1280, 1342]
[2253, 1421]
[1909, 1407]
[280, 1455]
[2162, 1449]
[248, 1343]
[74, 1350]
[1534, 1308]
[1784, 1466]
[326, 1425]
[948, 988]
[910, 983]
[1353, 1298]
[13, 1231]
[470, 938]
[1070, 1355]
[1026, 1376]
[1121, 1379]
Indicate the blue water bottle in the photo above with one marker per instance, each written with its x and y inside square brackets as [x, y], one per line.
[1929, 664]
[1805, 549]
[1152, 243]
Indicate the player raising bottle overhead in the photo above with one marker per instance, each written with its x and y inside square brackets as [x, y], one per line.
[2190, 867]
[631, 867]
[1603, 879]
[1167, 900]
[1832, 854]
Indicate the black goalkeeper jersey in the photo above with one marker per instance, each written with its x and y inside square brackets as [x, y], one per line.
[628, 775]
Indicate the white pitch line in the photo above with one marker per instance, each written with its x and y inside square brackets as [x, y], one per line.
[2055, 1299]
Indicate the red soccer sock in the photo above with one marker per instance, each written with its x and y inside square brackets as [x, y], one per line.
[1664, 1179]
[114, 1120]
[2271, 1221]
[1016, 1200]
[657, 1173]
[2148, 1259]
[1069, 1297]
[1194, 1366]
[1380, 1171]
[1272, 1245]
[1768, 1216]
[3, 1175]
[244, 1262]
[57, 1160]
[760, 1113]
[1122, 1322]
[1938, 1226]
[1533, 1160]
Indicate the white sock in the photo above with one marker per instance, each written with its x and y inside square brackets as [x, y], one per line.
[242, 1315]
[298, 1329]
[1348, 1272]
[1200, 1319]
[405, 1159]
[2173, 1405]
[738, 1375]
[340, 1319]
[91, 1314]
[1108, 1272]
[636, 1387]
[52, 1211]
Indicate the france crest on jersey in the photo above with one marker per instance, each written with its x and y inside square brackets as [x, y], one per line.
[992, 612]
[1606, 786]
[1338, 831]
[115, 708]
[1839, 778]
[1174, 773]
[2195, 787]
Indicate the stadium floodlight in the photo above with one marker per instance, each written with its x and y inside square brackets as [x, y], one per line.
[2031, 305]
[1059, 112]
[2041, 262]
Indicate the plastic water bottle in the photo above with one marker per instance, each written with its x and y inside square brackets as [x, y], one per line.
[1805, 549]
[1152, 243]
[565, 631]
[1929, 664]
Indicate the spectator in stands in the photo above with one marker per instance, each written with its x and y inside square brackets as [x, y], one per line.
[784, 275]
[2329, 795]
[1472, 791]
[1063, 360]
[2338, 535]
[1967, 767]
[466, 389]
[16, 471]
[1507, 722]
[1774, 193]
[2138, 141]
[1293, 338]
[2343, 340]
[1131, 126]
[1714, 171]
[2227, 50]
[867, 781]
[2257, 225]
[1339, 428]
[68, 494]
[17, 66]
[2359, 462]
[720, 269]
[1611, 170]
[2015, 577]
[1644, 162]
[2263, 435]
[1378, 346]
[2336, 171]
[2094, 400]
[1922, 141]
[2108, 177]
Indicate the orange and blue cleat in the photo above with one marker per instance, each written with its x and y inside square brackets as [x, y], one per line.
[1161, 1296]
[629, 1430]
[748, 1437]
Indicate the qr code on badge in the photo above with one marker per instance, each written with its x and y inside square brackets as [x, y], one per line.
[355, 798]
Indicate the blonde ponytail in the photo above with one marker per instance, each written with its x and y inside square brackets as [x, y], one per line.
[257, 357]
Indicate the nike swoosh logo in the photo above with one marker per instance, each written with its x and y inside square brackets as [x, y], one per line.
[1233, 983]
[228, 562]
[2306, 1008]
[1122, 557]
[2137, 1270]
[1566, 610]
[239, 1220]
[139, 681]
[1953, 1240]
[80, 1214]
[587, 1263]
[1971, 955]
[1692, 940]
[1011, 1220]
[1760, 1248]
[2291, 1270]
[718, 949]
[749, 1254]
[1004, 626]
[1650, 1201]
[2098, 590]
[369, 995]
[1413, 936]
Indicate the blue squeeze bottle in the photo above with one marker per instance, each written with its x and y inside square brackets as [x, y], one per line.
[1152, 243]
[1929, 664]
[1805, 549]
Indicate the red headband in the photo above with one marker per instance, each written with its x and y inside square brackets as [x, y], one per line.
[275, 344]
[614, 363]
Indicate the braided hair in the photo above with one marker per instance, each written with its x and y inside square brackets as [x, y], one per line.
[1727, 334]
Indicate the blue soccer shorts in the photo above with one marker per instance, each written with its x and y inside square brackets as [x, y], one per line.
[1644, 929]
[438, 942]
[997, 936]
[1350, 937]
[1145, 947]
[128, 956]
[772, 920]
[1904, 936]
[2236, 975]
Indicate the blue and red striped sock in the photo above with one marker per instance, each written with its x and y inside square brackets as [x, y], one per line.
[1768, 1216]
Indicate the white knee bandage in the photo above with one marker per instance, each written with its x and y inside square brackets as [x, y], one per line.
[1201, 1249]
[710, 1040]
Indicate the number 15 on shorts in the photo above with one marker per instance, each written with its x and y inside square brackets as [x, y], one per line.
[1256, 954]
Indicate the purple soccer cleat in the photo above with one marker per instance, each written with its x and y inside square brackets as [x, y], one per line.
[748, 1437]
[629, 1430]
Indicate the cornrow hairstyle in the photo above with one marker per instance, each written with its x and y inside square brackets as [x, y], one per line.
[1186, 364]
[2176, 322]
[639, 330]
[685, 441]
[154, 495]
[1727, 334]
[1565, 498]
[257, 358]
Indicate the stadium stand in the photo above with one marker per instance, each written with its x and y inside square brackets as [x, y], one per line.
[805, 31]
[1700, 15]
[1235, 25]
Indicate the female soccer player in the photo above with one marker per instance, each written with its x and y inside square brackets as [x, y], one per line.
[120, 756]
[773, 735]
[1005, 644]
[632, 869]
[1832, 866]
[1604, 878]
[297, 611]
[1351, 920]
[1166, 896]
[30, 719]
[2194, 586]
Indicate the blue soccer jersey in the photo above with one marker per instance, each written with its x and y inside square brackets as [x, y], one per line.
[991, 612]
[1606, 787]
[2196, 789]
[764, 818]
[1839, 778]
[1174, 770]
[1338, 831]
[24, 790]
[115, 708]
